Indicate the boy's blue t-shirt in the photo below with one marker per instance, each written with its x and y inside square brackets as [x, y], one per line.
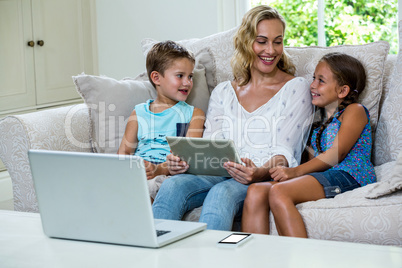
[154, 127]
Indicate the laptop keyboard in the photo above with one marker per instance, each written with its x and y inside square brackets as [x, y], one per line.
[161, 232]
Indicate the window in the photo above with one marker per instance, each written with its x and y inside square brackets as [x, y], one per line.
[337, 22]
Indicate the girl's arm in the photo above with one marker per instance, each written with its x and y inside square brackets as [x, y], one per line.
[353, 120]
[129, 142]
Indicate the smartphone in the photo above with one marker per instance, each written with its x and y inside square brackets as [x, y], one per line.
[234, 240]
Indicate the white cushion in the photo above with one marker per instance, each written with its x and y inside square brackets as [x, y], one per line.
[110, 103]
[391, 185]
[372, 56]
[221, 46]
[388, 142]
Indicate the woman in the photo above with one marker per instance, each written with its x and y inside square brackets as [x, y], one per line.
[264, 110]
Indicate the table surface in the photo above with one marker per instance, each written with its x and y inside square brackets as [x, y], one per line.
[23, 244]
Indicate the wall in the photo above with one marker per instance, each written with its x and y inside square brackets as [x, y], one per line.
[122, 24]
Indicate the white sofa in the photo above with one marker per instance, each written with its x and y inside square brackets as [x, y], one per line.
[371, 214]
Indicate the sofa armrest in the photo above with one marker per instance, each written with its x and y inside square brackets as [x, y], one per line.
[62, 129]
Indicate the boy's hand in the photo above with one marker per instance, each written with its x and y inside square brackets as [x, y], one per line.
[150, 169]
[175, 165]
[281, 173]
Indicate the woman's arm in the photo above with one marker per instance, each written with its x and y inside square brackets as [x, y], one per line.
[250, 173]
[291, 122]
[353, 120]
[289, 125]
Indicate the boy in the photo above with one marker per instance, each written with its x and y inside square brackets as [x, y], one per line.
[170, 70]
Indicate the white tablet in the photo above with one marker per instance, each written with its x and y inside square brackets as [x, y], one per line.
[204, 156]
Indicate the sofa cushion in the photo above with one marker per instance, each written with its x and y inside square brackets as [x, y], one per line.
[352, 217]
[372, 56]
[221, 46]
[110, 103]
[388, 142]
[391, 185]
[204, 57]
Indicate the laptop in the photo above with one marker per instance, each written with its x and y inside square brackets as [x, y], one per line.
[204, 156]
[100, 198]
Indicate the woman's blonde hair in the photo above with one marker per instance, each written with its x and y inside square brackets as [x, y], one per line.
[244, 38]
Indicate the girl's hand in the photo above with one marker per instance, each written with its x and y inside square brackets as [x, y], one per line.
[150, 169]
[245, 174]
[281, 173]
[175, 165]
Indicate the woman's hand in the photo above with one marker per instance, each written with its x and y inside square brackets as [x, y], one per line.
[281, 173]
[244, 174]
[175, 165]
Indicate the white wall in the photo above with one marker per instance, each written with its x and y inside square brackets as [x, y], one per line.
[122, 24]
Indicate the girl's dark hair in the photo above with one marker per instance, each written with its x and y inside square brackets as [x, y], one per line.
[349, 71]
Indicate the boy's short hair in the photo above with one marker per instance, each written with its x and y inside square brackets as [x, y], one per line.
[162, 55]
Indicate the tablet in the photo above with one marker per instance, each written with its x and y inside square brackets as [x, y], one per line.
[204, 156]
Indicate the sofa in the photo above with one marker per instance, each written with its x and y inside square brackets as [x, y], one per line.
[371, 214]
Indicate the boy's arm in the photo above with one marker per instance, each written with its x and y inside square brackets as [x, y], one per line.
[196, 127]
[129, 142]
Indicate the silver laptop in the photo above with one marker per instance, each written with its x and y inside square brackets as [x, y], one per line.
[100, 198]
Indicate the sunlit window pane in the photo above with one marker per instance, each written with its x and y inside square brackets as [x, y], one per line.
[361, 21]
[346, 21]
[301, 20]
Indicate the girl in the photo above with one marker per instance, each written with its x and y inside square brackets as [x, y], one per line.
[342, 150]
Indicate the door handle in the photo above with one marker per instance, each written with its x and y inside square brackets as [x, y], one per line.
[40, 43]
[31, 43]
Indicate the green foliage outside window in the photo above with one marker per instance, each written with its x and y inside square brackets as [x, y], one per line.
[346, 21]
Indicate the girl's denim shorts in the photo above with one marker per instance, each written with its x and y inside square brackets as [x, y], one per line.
[335, 182]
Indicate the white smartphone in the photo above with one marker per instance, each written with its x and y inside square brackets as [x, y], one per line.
[234, 240]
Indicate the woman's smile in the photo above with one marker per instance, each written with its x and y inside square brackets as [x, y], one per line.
[267, 60]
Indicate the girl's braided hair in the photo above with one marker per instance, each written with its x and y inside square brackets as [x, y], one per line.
[349, 71]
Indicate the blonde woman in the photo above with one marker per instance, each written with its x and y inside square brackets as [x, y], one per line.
[264, 111]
